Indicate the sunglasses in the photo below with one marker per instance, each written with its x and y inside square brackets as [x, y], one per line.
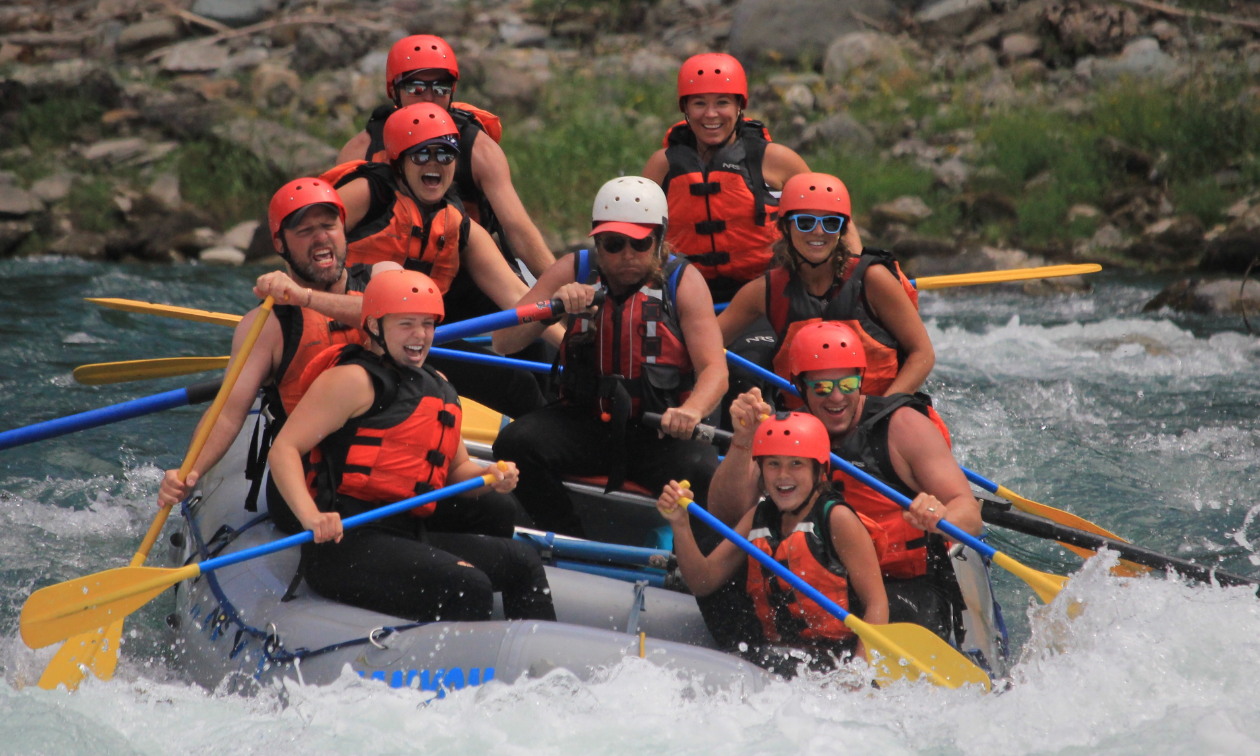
[831, 223]
[443, 155]
[614, 244]
[824, 387]
[417, 87]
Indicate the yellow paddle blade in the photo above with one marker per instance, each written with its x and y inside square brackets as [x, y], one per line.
[96, 650]
[1047, 586]
[84, 604]
[480, 424]
[144, 370]
[1124, 569]
[904, 651]
[168, 311]
[1003, 276]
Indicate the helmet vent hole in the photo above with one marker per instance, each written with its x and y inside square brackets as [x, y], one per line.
[415, 122]
[717, 70]
[637, 199]
[700, 72]
[414, 290]
[829, 189]
[813, 188]
[417, 48]
[787, 432]
[843, 344]
[826, 346]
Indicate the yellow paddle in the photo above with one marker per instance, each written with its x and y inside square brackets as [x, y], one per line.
[75, 606]
[97, 649]
[144, 370]
[1002, 276]
[170, 311]
[900, 651]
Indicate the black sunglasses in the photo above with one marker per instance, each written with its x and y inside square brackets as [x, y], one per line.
[418, 87]
[613, 244]
[443, 155]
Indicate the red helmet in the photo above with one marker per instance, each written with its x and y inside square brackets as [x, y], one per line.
[793, 434]
[300, 193]
[416, 53]
[825, 346]
[712, 73]
[397, 292]
[817, 192]
[416, 124]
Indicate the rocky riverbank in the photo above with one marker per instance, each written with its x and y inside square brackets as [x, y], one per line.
[974, 134]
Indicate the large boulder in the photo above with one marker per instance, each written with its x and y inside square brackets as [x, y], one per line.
[195, 57]
[322, 46]
[1222, 296]
[952, 18]
[1140, 59]
[154, 32]
[293, 152]
[235, 12]
[793, 30]
[76, 78]
[839, 130]
[863, 52]
[16, 202]
[1237, 248]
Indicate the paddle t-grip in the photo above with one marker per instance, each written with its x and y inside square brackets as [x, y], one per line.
[702, 432]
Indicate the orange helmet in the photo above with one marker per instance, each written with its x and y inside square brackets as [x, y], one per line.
[825, 346]
[712, 73]
[817, 192]
[418, 124]
[793, 434]
[397, 292]
[416, 53]
[299, 194]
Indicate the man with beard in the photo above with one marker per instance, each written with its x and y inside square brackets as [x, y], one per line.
[318, 305]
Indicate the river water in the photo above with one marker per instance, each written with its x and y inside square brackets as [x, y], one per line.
[1143, 422]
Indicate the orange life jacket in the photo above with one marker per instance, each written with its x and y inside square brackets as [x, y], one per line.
[427, 241]
[633, 349]
[867, 449]
[721, 215]
[790, 307]
[471, 121]
[400, 448]
[807, 551]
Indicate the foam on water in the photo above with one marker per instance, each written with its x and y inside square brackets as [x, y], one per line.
[1143, 422]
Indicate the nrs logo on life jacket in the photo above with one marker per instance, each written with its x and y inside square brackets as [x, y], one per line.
[721, 218]
[400, 448]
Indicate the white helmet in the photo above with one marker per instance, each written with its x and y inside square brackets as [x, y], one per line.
[630, 205]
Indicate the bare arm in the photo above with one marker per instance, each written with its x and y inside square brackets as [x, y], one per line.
[657, 167]
[493, 276]
[258, 368]
[337, 395]
[891, 306]
[748, 304]
[704, 345]
[780, 164]
[340, 307]
[921, 458]
[854, 547]
[704, 575]
[354, 149]
[734, 487]
[357, 197]
[493, 175]
[516, 338]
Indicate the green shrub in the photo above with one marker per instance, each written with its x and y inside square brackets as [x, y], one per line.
[227, 181]
[91, 205]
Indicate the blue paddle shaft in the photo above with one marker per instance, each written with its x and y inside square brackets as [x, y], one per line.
[768, 562]
[948, 528]
[114, 413]
[594, 550]
[349, 523]
[495, 360]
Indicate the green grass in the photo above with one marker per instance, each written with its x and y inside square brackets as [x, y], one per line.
[227, 181]
[91, 206]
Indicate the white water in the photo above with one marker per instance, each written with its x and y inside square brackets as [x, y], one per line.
[1143, 423]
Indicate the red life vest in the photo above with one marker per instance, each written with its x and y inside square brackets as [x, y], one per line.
[721, 215]
[867, 449]
[809, 553]
[632, 348]
[790, 307]
[427, 241]
[401, 447]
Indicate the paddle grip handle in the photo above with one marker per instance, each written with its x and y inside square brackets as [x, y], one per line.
[349, 523]
[200, 393]
[702, 432]
[767, 561]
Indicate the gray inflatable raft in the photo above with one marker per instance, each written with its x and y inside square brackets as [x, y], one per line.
[234, 633]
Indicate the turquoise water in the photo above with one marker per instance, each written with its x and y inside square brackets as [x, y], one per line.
[1144, 423]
